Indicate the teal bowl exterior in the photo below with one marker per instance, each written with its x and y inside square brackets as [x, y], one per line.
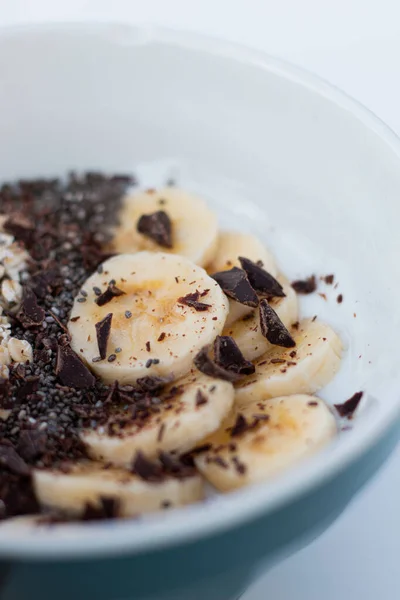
[218, 567]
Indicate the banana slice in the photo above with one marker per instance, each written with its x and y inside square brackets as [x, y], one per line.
[194, 225]
[265, 438]
[87, 483]
[247, 332]
[186, 412]
[164, 309]
[305, 369]
[231, 245]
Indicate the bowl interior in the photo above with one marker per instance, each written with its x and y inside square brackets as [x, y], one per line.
[275, 150]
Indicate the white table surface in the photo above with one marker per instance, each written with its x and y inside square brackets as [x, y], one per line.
[356, 45]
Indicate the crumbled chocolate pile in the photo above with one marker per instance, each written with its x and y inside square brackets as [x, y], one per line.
[63, 226]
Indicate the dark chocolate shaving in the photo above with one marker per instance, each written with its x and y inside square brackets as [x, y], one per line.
[262, 281]
[237, 286]
[305, 286]
[30, 313]
[71, 371]
[5, 401]
[272, 327]
[111, 292]
[348, 408]
[206, 365]
[158, 227]
[103, 329]
[228, 356]
[192, 300]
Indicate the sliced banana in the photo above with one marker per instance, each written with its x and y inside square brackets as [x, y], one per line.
[186, 412]
[231, 245]
[276, 434]
[152, 318]
[247, 332]
[194, 225]
[305, 369]
[89, 483]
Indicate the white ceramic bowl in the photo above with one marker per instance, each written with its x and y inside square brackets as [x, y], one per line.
[276, 151]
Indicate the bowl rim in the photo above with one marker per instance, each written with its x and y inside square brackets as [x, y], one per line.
[198, 521]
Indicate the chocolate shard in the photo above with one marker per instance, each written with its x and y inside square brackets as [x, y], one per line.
[111, 292]
[103, 329]
[192, 300]
[272, 327]
[12, 461]
[348, 408]
[30, 313]
[227, 355]
[262, 281]
[108, 508]
[31, 443]
[237, 286]
[71, 371]
[305, 286]
[152, 383]
[204, 363]
[146, 469]
[158, 227]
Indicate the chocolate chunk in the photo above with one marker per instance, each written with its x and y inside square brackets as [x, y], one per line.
[107, 509]
[192, 300]
[152, 383]
[339, 299]
[161, 337]
[71, 371]
[30, 313]
[206, 365]
[12, 461]
[348, 408]
[237, 286]
[201, 398]
[32, 443]
[21, 228]
[228, 356]
[241, 425]
[272, 327]
[5, 400]
[329, 279]
[29, 387]
[179, 467]
[158, 227]
[111, 292]
[305, 286]
[261, 280]
[145, 469]
[239, 466]
[103, 329]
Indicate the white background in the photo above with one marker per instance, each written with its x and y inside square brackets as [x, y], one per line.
[356, 45]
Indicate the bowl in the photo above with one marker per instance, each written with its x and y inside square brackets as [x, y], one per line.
[278, 152]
